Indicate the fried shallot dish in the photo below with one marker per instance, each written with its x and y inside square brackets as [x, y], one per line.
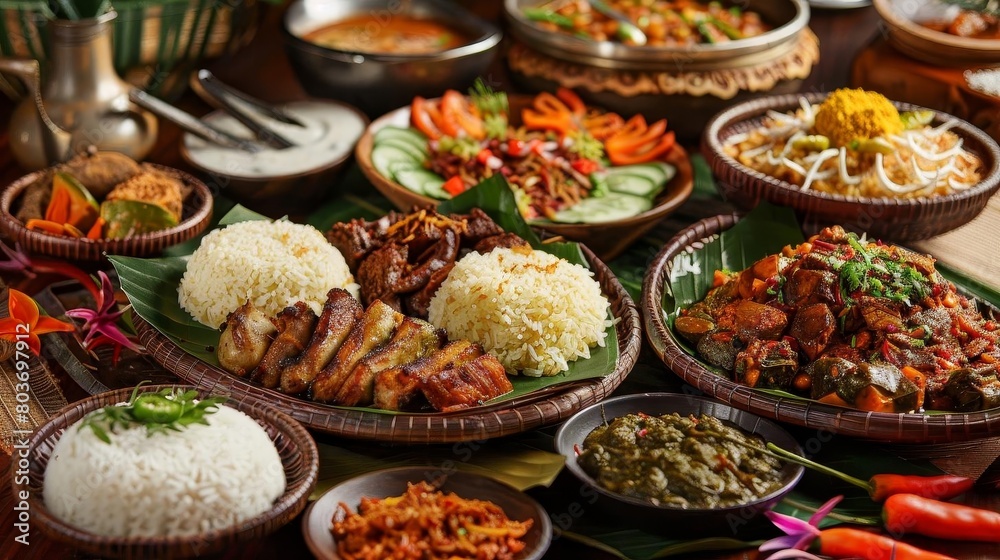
[352, 356]
[427, 524]
[852, 323]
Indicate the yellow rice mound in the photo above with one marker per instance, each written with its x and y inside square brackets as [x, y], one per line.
[272, 264]
[533, 311]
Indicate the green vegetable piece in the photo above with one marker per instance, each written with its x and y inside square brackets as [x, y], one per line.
[813, 143]
[729, 30]
[874, 146]
[916, 119]
[546, 16]
[156, 408]
[125, 218]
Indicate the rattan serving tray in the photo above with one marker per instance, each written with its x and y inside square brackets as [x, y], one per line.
[534, 410]
[894, 428]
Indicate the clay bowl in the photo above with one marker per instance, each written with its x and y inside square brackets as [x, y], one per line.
[927, 45]
[295, 448]
[195, 218]
[606, 239]
[898, 219]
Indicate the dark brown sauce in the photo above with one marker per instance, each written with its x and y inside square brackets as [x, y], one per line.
[398, 34]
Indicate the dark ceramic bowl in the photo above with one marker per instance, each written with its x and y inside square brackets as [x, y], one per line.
[377, 83]
[666, 517]
[392, 482]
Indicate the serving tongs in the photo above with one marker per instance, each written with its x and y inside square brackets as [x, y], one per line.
[242, 107]
[191, 123]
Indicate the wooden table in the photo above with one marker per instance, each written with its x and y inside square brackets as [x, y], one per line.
[262, 69]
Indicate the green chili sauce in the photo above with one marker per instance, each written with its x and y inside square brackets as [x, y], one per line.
[681, 461]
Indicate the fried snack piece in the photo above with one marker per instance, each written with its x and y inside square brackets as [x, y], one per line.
[154, 188]
[101, 172]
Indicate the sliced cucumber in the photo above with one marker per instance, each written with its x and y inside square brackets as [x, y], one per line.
[657, 172]
[418, 153]
[397, 166]
[636, 185]
[407, 135]
[610, 207]
[384, 155]
[421, 181]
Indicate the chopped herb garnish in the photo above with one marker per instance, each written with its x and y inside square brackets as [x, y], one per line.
[168, 409]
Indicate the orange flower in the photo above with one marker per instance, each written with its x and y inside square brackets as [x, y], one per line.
[25, 323]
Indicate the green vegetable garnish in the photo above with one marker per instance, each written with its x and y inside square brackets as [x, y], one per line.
[168, 409]
[493, 106]
[585, 145]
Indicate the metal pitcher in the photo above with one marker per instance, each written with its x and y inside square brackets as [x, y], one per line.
[82, 103]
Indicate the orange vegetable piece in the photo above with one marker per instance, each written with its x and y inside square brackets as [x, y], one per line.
[422, 117]
[872, 399]
[96, 231]
[918, 379]
[834, 399]
[47, 226]
[572, 101]
[71, 203]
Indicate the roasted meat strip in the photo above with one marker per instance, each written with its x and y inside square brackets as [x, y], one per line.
[413, 339]
[295, 325]
[340, 313]
[374, 330]
[245, 338]
[470, 384]
[397, 387]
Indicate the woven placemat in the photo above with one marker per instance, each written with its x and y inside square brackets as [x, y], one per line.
[23, 411]
[973, 248]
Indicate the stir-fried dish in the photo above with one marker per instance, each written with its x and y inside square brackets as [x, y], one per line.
[856, 143]
[565, 162]
[682, 461]
[427, 524]
[668, 23]
[980, 21]
[852, 323]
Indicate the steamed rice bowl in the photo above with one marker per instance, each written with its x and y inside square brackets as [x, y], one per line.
[535, 312]
[271, 264]
[172, 483]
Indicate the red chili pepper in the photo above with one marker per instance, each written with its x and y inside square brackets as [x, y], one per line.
[642, 432]
[939, 487]
[454, 186]
[842, 542]
[824, 245]
[912, 514]
[515, 147]
[585, 166]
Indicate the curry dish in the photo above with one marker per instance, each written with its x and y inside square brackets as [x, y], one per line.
[398, 34]
[853, 323]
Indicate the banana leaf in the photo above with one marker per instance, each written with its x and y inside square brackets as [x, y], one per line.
[763, 231]
[151, 285]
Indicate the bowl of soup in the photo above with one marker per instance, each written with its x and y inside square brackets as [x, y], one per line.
[941, 34]
[378, 56]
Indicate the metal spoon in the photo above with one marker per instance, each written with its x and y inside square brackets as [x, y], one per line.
[191, 123]
[627, 31]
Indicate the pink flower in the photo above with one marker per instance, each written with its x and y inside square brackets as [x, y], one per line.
[798, 534]
[101, 325]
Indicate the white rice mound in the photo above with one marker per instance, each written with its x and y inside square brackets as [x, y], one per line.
[200, 479]
[271, 264]
[532, 310]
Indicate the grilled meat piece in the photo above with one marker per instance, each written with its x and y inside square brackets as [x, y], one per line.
[479, 225]
[506, 240]
[295, 325]
[381, 272]
[340, 313]
[441, 253]
[813, 327]
[245, 338]
[756, 320]
[396, 388]
[467, 385]
[374, 330]
[419, 303]
[768, 364]
[806, 286]
[357, 238]
[413, 340]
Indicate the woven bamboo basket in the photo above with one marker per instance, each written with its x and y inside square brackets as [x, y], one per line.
[878, 426]
[544, 407]
[295, 447]
[898, 219]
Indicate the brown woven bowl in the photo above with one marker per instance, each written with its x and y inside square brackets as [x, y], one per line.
[607, 239]
[196, 216]
[928, 45]
[534, 410]
[295, 447]
[899, 219]
[878, 426]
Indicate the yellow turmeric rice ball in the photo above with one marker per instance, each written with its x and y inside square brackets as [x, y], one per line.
[855, 114]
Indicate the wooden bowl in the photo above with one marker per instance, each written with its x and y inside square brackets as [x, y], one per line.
[196, 215]
[549, 405]
[295, 447]
[900, 219]
[606, 239]
[879, 426]
[928, 45]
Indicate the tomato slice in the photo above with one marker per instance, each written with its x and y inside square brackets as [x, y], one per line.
[572, 101]
[461, 116]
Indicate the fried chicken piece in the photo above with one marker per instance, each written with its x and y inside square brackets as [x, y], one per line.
[295, 325]
[340, 314]
[154, 188]
[398, 387]
[245, 339]
[413, 339]
[467, 385]
[374, 330]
